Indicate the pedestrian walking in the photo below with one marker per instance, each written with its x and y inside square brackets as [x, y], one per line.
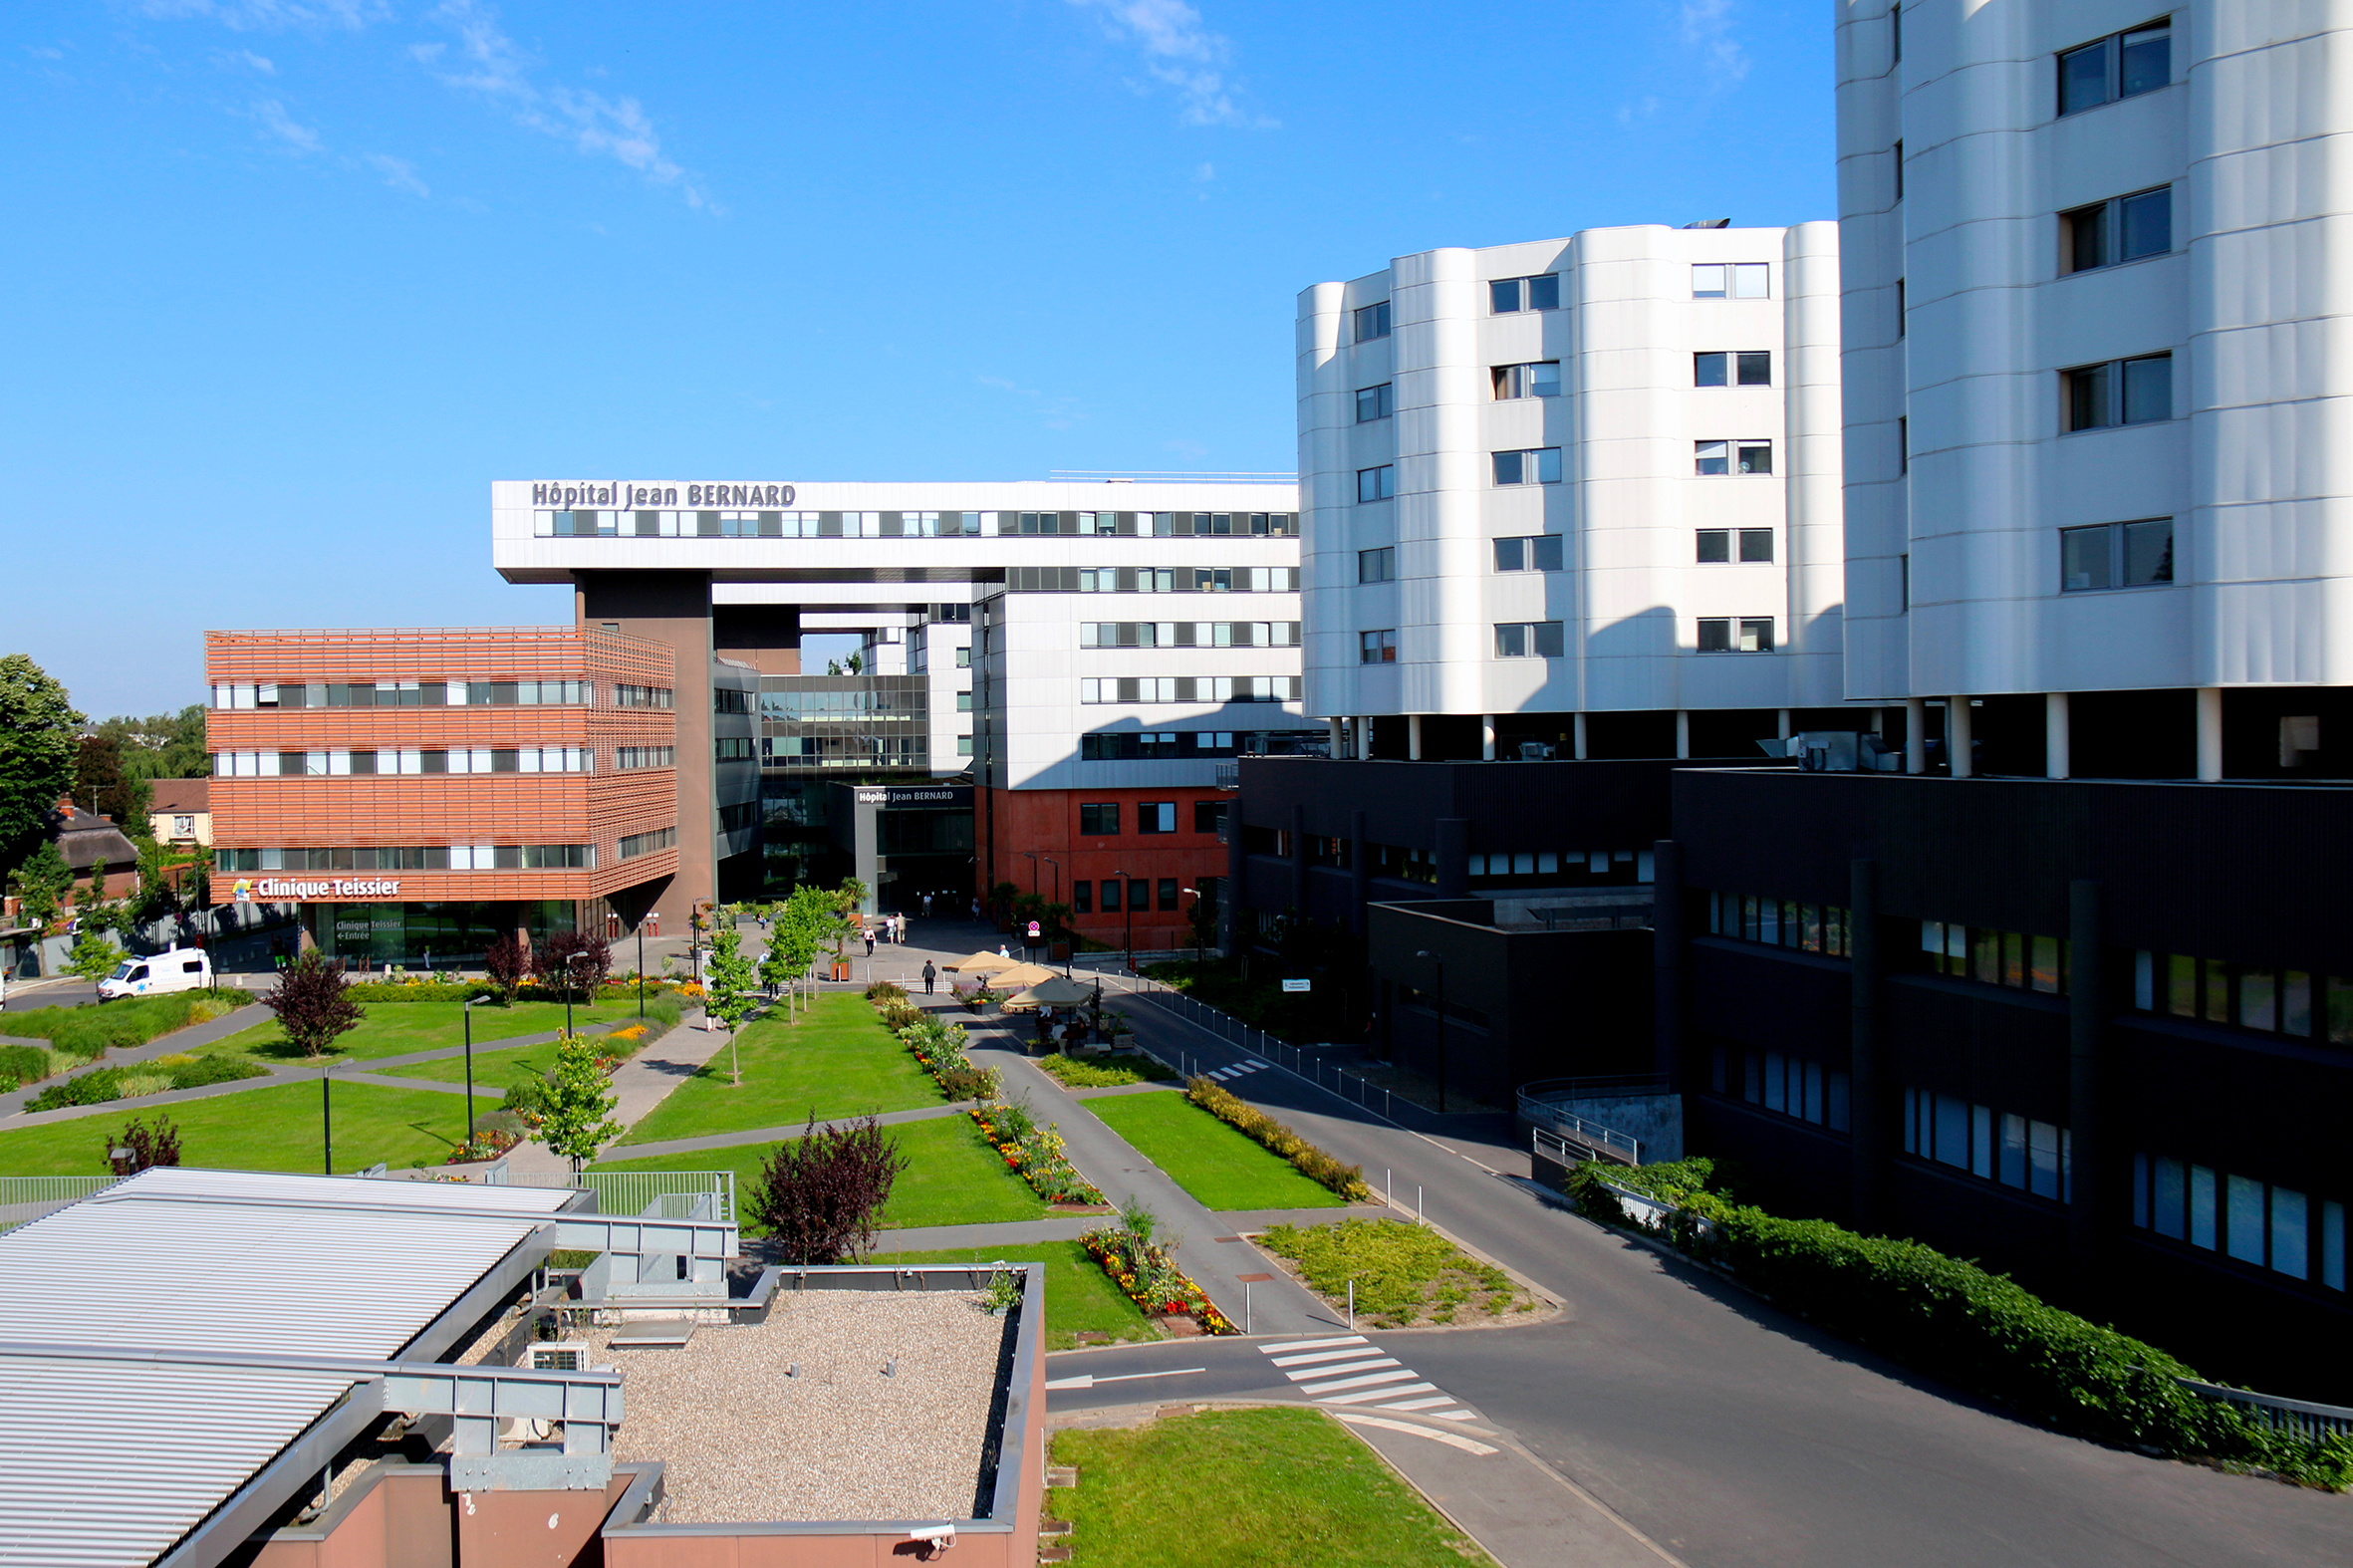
[899, 930]
[977, 905]
[930, 976]
[869, 941]
[926, 905]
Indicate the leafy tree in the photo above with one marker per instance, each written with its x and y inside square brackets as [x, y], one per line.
[820, 1193]
[311, 1002]
[848, 904]
[579, 960]
[38, 733]
[102, 785]
[577, 1117]
[508, 961]
[727, 982]
[92, 957]
[42, 882]
[142, 1147]
[162, 746]
[157, 897]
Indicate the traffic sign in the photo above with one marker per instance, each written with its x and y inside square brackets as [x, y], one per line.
[1297, 985]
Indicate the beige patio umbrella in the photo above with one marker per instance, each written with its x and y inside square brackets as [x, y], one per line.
[1056, 992]
[981, 963]
[1020, 976]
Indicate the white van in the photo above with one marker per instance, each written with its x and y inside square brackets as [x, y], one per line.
[173, 969]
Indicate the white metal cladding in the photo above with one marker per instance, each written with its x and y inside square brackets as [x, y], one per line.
[107, 1463]
[358, 1190]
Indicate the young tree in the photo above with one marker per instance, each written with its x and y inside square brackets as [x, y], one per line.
[92, 957]
[819, 1194]
[39, 730]
[507, 963]
[101, 784]
[577, 1119]
[848, 904]
[42, 881]
[727, 982]
[312, 1003]
[579, 960]
[157, 897]
[776, 965]
[139, 1146]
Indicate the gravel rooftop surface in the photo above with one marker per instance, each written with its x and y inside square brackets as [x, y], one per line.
[745, 1443]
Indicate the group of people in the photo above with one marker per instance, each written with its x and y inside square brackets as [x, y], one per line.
[890, 929]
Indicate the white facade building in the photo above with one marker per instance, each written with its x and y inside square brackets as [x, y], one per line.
[1576, 476]
[2096, 381]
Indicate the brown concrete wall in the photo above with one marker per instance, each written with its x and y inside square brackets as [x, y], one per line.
[1047, 820]
[812, 1551]
[532, 1530]
[399, 1519]
[675, 609]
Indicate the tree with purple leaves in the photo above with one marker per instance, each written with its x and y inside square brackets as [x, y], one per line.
[820, 1193]
[312, 1003]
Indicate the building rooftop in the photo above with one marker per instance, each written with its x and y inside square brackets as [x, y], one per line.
[182, 795]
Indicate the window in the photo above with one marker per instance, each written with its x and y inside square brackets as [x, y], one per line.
[1720, 369]
[1740, 280]
[965, 657]
[1895, 34]
[2124, 65]
[1155, 816]
[2122, 391]
[638, 844]
[724, 700]
[1903, 443]
[1787, 1083]
[1376, 484]
[1743, 634]
[1376, 566]
[731, 749]
[641, 697]
[1138, 895]
[2272, 1227]
[1081, 897]
[1507, 296]
[1539, 378]
[1101, 820]
[1779, 923]
[2116, 554]
[1534, 553]
[1715, 546]
[1111, 897]
[1371, 321]
[1376, 647]
[2125, 229]
[1528, 640]
[1167, 892]
[963, 746]
[1899, 169]
[1902, 312]
[1725, 457]
[1537, 465]
[1208, 816]
[2252, 996]
[2016, 960]
[1375, 403]
[2032, 1156]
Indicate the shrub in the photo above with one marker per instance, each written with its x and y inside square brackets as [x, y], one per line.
[195, 1072]
[312, 1003]
[526, 1099]
[1318, 1166]
[1072, 1073]
[83, 1033]
[969, 1082]
[819, 1194]
[143, 1146]
[886, 991]
[136, 1084]
[25, 1063]
[94, 1087]
[577, 963]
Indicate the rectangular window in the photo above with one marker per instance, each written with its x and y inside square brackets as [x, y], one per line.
[1898, 162]
[1376, 484]
[2116, 554]
[1167, 892]
[2122, 391]
[1155, 816]
[1111, 897]
[2123, 65]
[1714, 546]
[1529, 639]
[1138, 895]
[1375, 403]
[1081, 897]
[1540, 378]
[1376, 566]
[1744, 279]
[1756, 546]
[1371, 322]
[1537, 465]
[1101, 820]
[1735, 635]
[1377, 648]
[1508, 296]
[1721, 367]
[1531, 553]
[1208, 816]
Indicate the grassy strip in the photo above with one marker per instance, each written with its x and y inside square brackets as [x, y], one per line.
[85, 1032]
[955, 1177]
[1072, 1073]
[1405, 1276]
[162, 1076]
[1245, 1489]
[269, 1129]
[1205, 1157]
[1083, 1306]
[420, 1026]
[1982, 1331]
[838, 1060]
[1263, 1129]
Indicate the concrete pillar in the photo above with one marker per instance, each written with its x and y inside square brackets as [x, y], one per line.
[1667, 956]
[1413, 737]
[1956, 735]
[1578, 730]
[1879, 721]
[1339, 741]
[1915, 734]
[1454, 857]
[1363, 738]
[1487, 737]
[1783, 724]
[2210, 735]
[2054, 735]
[1873, 1110]
[1682, 732]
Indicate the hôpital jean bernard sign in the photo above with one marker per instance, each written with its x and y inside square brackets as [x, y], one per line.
[621, 495]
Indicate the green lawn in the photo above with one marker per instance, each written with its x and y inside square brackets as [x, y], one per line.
[837, 1061]
[1212, 1161]
[272, 1128]
[396, 1028]
[1080, 1297]
[955, 1178]
[1245, 1489]
[1405, 1275]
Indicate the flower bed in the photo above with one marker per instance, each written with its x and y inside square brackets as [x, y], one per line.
[1313, 1162]
[1149, 1279]
[940, 1049]
[1035, 1153]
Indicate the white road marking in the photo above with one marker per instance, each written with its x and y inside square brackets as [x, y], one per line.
[1088, 1380]
[1320, 1354]
[1311, 1373]
[1451, 1415]
[1368, 1396]
[1319, 1390]
[1309, 1344]
[1427, 1401]
[1453, 1439]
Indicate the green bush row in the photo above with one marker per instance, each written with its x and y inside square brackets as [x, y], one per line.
[467, 991]
[1981, 1331]
[1263, 1129]
[102, 1084]
[88, 1032]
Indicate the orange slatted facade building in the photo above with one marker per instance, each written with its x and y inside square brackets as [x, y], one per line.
[418, 792]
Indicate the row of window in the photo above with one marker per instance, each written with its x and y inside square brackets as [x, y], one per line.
[1101, 819]
[1189, 633]
[1715, 280]
[1168, 745]
[643, 696]
[1140, 895]
[2258, 1223]
[2275, 1001]
[2122, 65]
[732, 748]
[1190, 688]
[845, 751]
[1541, 466]
[880, 696]
[2116, 554]
[459, 759]
[1547, 640]
[728, 699]
[1521, 553]
[2015, 1151]
[1780, 922]
[636, 844]
[2016, 960]
[1151, 580]
[401, 694]
[1714, 546]
[1553, 863]
[905, 525]
[739, 817]
[2121, 391]
[1787, 1085]
[630, 757]
[413, 857]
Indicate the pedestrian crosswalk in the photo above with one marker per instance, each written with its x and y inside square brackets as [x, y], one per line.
[1350, 1370]
[1248, 1064]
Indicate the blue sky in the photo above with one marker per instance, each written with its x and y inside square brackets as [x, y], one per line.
[288, 282]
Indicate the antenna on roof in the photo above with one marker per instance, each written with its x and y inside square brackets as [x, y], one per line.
[1711, 223]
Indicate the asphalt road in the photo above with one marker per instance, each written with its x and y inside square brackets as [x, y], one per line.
[1732, 1434]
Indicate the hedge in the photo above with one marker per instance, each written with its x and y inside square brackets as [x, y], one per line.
[103, 1084]
[89, 1032]
[1315, 1163]
[1981, 1331]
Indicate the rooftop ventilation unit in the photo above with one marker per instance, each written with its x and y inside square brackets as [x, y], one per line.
[562, 1356]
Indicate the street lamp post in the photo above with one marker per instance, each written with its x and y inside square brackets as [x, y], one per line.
[1441, 1025]
[1128, 909]
[641, 969]
[326, 1119]
[466, 1012]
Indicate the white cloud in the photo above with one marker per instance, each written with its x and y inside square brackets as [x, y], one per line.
[1706, 25]
[40, 52]
[244, 59]
[279, 124]
[271, 15]
[397, 173]
[1181, 53]
[491, 65]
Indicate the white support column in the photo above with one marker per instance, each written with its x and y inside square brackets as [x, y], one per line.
[1577, 733]
[1782, 728]
[1487, 737]
[1413, 737]
[2055, 761]
[1682, 732]
[1958, 731]
[2210, 735]
[1915, 734]
[1338, 743]
[1879, 721]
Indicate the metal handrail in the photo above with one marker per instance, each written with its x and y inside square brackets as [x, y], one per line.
[2298, 1418]
[1602, 1141]
[636, 1192]
[1608, 1086]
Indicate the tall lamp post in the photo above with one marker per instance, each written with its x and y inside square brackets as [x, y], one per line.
[1128, 909]
[1441, 1025]
[326, 1118]
[640, 968]
[466, 1012]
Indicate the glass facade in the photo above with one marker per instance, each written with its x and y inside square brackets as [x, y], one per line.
[413, 935]
[833, 722]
